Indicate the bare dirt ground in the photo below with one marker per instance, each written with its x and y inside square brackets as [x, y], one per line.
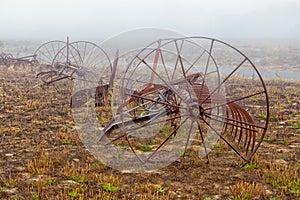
[41, 156]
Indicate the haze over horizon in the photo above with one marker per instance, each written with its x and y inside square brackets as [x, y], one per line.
[99, 20]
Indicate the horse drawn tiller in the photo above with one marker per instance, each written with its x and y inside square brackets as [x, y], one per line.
[163, 98]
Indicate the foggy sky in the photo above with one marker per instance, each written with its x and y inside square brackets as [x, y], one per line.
[101, 19]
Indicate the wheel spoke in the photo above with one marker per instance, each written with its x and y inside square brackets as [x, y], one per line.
[216, 132]
[235, 100]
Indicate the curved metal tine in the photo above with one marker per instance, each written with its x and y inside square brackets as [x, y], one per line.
[211, 116]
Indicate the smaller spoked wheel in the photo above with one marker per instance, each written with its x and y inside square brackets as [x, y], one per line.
[79, 61]
[82, 60]
[46, 53]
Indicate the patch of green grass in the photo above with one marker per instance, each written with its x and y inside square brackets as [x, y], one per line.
[262, 116]
[160, 190]
[217, 152]
[11, 183]
[104, 121]
[17, 198]
[125, 147]
[110, 188]
[49, 182]
[167, 131]
[96, 164]
[67, 142]
[70, 128]
[250, 166]
[1, 192]
[35, 197]
[285, 143]
[295, 188]
[284, 178]
[78, 179]
[267, 140]
[253, 99]
[74, 194]
[144, 148]
[182, 153]
[296, 126]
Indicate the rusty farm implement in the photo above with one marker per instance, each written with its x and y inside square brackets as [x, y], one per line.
[163, 98]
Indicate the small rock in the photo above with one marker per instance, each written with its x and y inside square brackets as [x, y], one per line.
[76, 160]
[70, 182]
[10, 191]
[268, 192]
[279, 150]
[20, 168]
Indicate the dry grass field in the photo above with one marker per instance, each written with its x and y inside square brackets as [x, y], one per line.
[41, 156]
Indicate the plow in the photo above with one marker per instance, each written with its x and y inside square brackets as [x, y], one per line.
[8, 59]
[162, 98]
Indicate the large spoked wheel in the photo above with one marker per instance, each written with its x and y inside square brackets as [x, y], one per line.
[205, 87]
[159, 114]
[46, 53]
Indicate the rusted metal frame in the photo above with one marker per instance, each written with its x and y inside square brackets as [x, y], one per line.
[156, 57]
[141, 126]
[112, 126]
[157, 87]
[148, 99]
[143, 117]
[149, 119]
[114, 70]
